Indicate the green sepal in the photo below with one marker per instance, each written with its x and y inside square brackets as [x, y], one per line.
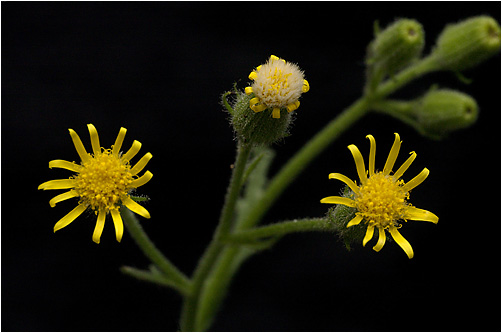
[340, 215]
[142, 198]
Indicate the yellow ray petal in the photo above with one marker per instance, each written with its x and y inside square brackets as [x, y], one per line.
[258, 107]
[417, 214]
[248, 90]
[293, 106]
[358, 158]
[371, 162]
[135, 207]
[399, 173]
[79, 146]
[355, 221]
[118, 141]
[57, 184]
[306, 86]
[70, 217]
[96, 148]
[142, 180]
[416, 181]
[141, 164]
[100, 224]
[254, 100]
[119, 225]
[62, 164]
[381, 239]
[64, 196]
[401, 241]
[394, 151]
[339, 200]
[276, 113]
[136, 146]
[346, 180]
[369, 234]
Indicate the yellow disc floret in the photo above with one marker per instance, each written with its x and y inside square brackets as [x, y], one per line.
[103, 181]
[381, 201]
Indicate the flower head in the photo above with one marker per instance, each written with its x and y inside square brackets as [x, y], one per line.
[102, 182]
[277, 85]
[381, 198]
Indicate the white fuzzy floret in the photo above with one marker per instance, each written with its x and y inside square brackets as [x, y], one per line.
[278, 83]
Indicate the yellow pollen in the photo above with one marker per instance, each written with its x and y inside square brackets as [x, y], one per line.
[103, 181]
[381, 201]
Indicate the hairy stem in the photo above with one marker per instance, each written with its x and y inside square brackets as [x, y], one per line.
[205, 265]
[279, 229]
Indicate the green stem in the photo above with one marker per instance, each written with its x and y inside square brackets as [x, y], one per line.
[151, 252]
[420, 68]
[189, 311]
[401, 110]
[279, 229]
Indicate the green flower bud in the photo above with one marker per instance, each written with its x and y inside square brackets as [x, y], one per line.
[258, 128]
[397, 46]
[443, 111]
[468, 43]
[436, 114]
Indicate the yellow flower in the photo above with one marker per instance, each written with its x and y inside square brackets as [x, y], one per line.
[277, 85]
[103, 181]
[381, 198]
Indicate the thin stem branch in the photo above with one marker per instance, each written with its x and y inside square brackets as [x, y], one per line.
[279, 229]
[420, 68]
[151, 252]
[148, 276]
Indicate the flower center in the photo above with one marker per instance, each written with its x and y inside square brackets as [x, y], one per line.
[278, 83]
[381, 201]
[103, 181]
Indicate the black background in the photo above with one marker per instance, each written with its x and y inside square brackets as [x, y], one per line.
[158, 69]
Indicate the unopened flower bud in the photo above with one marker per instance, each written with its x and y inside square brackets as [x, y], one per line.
[397, 46]
[442, 111]
[468, 43]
